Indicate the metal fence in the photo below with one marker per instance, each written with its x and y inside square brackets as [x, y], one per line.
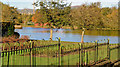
[29, 53]
[87, 55]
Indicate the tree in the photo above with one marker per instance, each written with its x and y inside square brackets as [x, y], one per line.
[9, 14]
[56, 12]
[9, 17]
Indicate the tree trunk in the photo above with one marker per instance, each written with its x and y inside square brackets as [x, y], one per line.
[82, 36]
[51, 33]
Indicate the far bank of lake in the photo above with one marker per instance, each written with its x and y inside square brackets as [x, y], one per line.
[74, 28]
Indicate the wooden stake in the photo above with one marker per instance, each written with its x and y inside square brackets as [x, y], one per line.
[82, 35]
[51, 33]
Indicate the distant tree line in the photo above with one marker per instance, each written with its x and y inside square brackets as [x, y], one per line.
[88, 16]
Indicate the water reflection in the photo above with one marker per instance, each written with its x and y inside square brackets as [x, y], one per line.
[69, 35]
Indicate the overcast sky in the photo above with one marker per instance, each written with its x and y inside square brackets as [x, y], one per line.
[28, 3]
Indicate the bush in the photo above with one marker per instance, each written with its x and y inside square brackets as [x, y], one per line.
[7, 28]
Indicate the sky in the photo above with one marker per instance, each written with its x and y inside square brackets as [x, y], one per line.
[21, 4]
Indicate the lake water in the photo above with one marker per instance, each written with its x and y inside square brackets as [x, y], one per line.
[69, 35]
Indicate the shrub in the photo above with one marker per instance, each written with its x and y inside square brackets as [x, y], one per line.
[7, 28]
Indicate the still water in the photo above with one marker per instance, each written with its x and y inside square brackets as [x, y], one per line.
[69, 35]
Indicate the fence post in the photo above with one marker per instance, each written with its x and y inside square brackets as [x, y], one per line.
[48, 54]
[95, 53]
[8, 59]
[8, 56]
[35, 53]
[30, 53]
[108, 49]
[97, 50]
[14, 50]
[2, 63]
[118, 51]
[2, 57]
[62, 55]
[86, 53]
[32, 49]
[85, 57]
[81, 55]
[68, 55]
[59, 52]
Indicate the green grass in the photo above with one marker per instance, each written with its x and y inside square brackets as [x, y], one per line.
[25, 60]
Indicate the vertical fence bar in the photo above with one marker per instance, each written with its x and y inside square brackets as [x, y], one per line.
[118, 51]
[62, 55]
[56, 54]
[39, 55]
[35, 53]
[30, 54]
[8, 58]
[59, 51]
[23, 54]
[68, 54]
[108, 49]
[87, 57]
[2, 58]
[97, 50]
[14, 50]
[8, 54]
[11, 54]
[15, 53]
[84, 57]
[81, 55]
[14, 56]
[48, 54]
[95, 53]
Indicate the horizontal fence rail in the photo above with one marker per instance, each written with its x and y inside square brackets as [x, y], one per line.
[86, 48]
